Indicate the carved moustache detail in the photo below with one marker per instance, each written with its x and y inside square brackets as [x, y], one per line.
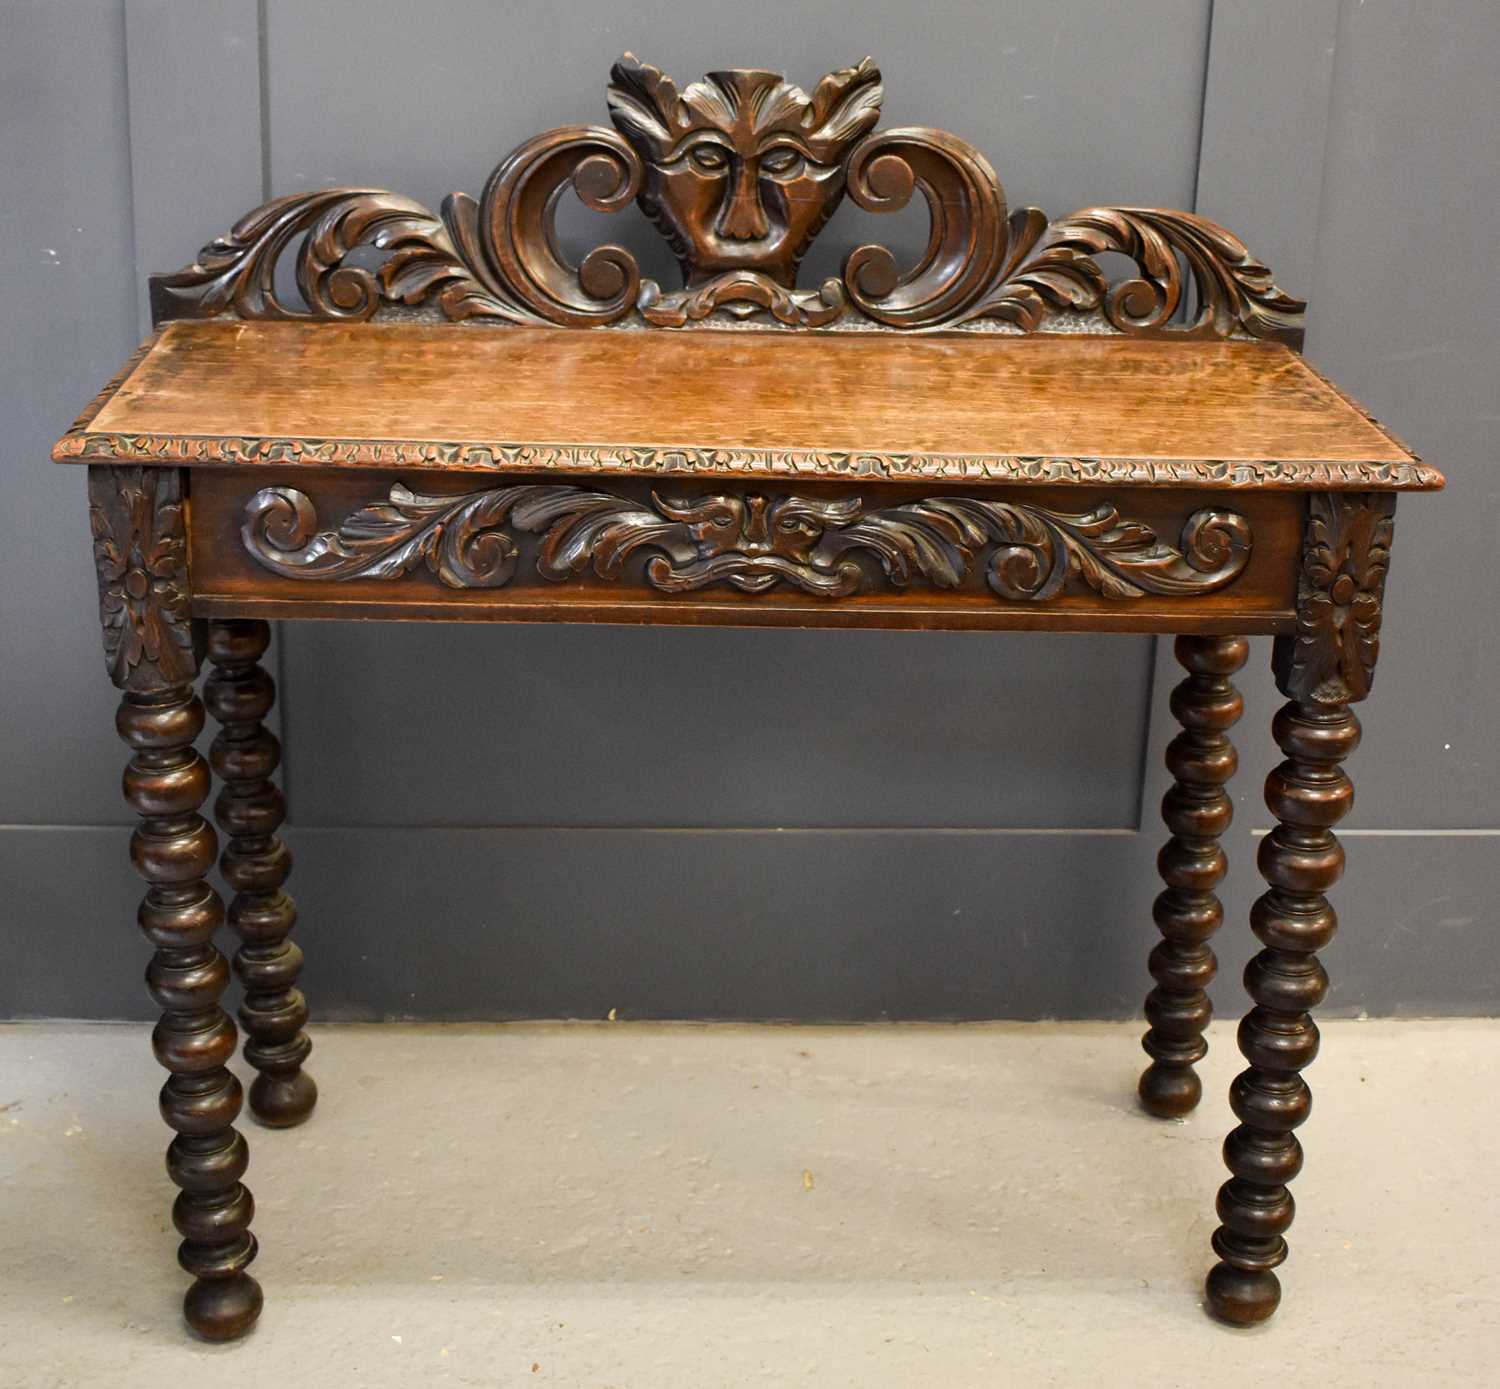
[750, 542]
[739, 172]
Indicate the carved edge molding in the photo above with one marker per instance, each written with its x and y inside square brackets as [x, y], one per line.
[1346, 551]
[739, 172]
[750, 542]
[80, 444]
[151, 641]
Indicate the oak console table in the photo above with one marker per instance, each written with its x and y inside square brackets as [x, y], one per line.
[996, 438]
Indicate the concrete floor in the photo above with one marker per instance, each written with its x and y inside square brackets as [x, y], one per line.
[664, 1206]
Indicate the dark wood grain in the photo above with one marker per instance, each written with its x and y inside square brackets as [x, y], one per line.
[1005, 435]
[1198, 811]
[1069, 411]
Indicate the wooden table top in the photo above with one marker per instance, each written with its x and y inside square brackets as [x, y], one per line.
[978, 407]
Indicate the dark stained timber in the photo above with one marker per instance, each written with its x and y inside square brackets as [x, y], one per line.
[739, 172]
[1001, 436]
[140, 561]
[255, 863]
[1197, 810]
[173, 849]
[752, 542]
[1327, 663]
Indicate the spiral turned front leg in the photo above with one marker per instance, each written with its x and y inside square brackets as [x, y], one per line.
[1301, 859]
[255, 864]
[166, 782]
[1197, 810]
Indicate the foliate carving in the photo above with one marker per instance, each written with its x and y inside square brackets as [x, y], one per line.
[739, 171]
[749, 542]
[140, 558]
[503, 455]
[1051, 268]
[494, 259]
[1346, 550]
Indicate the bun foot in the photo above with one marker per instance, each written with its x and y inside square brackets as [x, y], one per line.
[1240, 1298]
[1169, 1092]
[283, 1102]
[222, 1309]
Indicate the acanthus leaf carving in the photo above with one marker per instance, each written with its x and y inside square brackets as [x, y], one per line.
[739, 172]
[493, 259]
[140, 560]
[1052, 267]
[751, 542]
[1346, 552]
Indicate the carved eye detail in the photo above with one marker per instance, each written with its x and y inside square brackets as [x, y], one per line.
[708, 157]
[781, 162]
[723, 522]
[791, 524]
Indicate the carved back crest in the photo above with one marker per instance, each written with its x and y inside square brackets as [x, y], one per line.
[739, 171]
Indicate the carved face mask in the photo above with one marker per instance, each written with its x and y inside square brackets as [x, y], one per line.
[742, 168]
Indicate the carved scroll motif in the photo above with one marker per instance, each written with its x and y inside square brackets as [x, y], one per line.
[739, 172]
[494, 259]
[1346, 551]
[140, 558]
[750, 542]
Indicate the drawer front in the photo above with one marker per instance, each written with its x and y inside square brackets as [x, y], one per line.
[470, 547]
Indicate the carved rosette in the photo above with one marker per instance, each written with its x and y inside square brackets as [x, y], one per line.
[140, 559]
[751, 542]
[739, 172]
[1346, 550]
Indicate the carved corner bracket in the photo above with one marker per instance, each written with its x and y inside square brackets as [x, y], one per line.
[739, 172]
[151, 641]
[751, 542]
[1346, 551]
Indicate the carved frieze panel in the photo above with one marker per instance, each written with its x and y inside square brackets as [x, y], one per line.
[1346, 551]
[753, 542]
[739, 172]
[140, 559]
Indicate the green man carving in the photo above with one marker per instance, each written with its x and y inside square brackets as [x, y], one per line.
[742, 169]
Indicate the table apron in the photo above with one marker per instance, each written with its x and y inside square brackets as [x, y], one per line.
[310, 543]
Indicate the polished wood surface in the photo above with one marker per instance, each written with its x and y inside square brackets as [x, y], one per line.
[438, 565]
[1077, 448]
[902, 400]
[166, 783]
[1198, 810]
[1301, 859]
[255, 863]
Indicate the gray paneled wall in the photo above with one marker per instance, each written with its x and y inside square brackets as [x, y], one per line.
[758, 824]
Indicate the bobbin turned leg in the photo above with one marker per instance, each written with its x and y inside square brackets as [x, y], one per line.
[152, 648]
[1197, 811]
[255, 863]
[165, 783]
[1328, 663]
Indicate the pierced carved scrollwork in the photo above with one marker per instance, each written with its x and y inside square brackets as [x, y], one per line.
[739, 172]
[497, 258]
[750, 542]
[1346, 551]
[140, 557]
